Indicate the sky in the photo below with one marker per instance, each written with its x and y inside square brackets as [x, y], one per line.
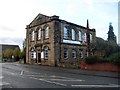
[16, 14]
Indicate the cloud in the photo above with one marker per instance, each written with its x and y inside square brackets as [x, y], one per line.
[5, 28]
[12, 41]
[16, 14]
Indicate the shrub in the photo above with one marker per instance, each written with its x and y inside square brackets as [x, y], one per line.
[115, 58]
[91, 59]
[102, 60]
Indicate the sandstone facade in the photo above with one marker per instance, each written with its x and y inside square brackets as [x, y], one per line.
[52, 41]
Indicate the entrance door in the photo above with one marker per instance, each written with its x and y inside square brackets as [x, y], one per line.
[39, 57]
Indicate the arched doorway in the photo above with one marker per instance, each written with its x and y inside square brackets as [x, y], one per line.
[39, 56]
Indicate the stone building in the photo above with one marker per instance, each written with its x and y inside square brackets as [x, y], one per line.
[54, 42]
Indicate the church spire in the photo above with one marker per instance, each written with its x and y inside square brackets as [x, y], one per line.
[88, 39]
[87, 24]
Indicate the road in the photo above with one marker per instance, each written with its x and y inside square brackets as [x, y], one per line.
[16, 75]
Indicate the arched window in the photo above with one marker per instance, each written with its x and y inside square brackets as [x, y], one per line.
[73, 53]
[47, 32]
[81, 53]
[33, 54]
[39, 34]
[32, 36]
[46, 52]
[73, 34]
[80, 36]
[65, 33]
[65, 53]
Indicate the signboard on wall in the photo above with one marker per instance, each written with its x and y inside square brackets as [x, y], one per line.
[42, 54]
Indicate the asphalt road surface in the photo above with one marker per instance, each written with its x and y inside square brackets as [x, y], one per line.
[16, 75]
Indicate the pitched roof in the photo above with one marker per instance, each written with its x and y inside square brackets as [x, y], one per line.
[39, 19]
[6, 46]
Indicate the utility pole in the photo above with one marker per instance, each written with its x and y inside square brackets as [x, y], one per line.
[88, 39]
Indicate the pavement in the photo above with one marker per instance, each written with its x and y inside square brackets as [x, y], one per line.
[83, 72]
[96, 73]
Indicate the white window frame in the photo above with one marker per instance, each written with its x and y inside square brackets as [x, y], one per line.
[39, 34]
[65, 31]
[47, 33]
[33, 36]
[33, 54]
[65, 53]
[46, 52]
[85, 37]
[73, 34]
[90, 37]
[80, 36]
[81, 53]
[73, 53]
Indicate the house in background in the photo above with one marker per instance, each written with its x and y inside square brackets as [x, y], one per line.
[55, 42]
[4, 47]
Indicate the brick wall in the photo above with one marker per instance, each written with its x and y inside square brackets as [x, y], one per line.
[100, 67]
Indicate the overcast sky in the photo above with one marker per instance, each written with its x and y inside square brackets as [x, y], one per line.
[16, 14]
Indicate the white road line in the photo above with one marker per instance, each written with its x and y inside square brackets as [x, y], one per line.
[1, 77]
[21, 73]
[4, 83]
[61, 77]
[53, 82]
[49, 81]
[66, 80]
[97, 86]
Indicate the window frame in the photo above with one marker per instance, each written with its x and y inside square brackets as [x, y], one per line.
[80, 35]
[33, 35]
[73, 34]
[47, 32]
[91, 37]
[46, 52]
[81, 53]
[85, 37]
[33, 54]
[39, 34]
[73, 53]
[65, 53]
[65, 32]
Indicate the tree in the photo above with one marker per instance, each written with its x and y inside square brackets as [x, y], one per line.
[23, 53]
[109, 47]
[16, 54]
[8, 53]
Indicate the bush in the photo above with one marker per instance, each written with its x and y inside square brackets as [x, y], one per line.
[91, 59]
[102, 60]
[115, 58]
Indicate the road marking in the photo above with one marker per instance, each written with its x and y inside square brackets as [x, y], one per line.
[4, 83]
[97, 86]
[21, 73]
[65, 80]
[53, 82]
[17, 64]
[49, 81]
[1, 77]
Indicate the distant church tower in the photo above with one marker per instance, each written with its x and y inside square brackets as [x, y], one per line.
[111, 35]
